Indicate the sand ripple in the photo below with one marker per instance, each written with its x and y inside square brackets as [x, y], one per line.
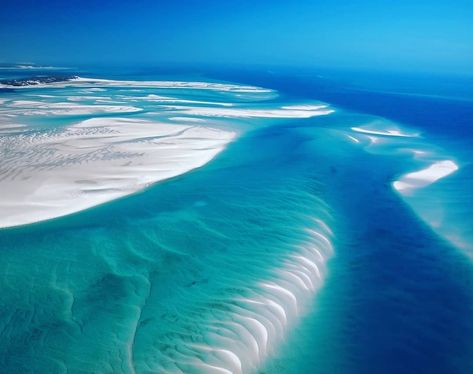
[53, 173]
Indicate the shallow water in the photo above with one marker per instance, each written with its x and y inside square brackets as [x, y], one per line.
[289, 252]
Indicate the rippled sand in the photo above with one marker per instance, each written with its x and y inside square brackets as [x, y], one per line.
[48, 173]
[217, 271]
[55, 173]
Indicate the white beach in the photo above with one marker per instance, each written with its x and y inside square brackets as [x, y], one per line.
[120, 144]
[51, 174]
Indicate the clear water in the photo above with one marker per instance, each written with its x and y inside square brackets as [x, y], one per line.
[160, 280]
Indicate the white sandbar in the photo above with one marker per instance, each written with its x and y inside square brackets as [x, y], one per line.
[40, 108]
[424, 177]
[44, 175]
[91, 83]
[282, 112]
[385, 132]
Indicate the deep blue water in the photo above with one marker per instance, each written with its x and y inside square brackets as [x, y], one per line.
[397, 297]
[406, 300]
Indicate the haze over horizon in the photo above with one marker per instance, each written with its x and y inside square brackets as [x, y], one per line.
[408, 36]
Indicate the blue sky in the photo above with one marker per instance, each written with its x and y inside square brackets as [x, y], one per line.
[435, 35]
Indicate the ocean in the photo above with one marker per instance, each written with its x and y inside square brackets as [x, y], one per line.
[331, 233]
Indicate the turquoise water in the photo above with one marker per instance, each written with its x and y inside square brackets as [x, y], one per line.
[175, 278]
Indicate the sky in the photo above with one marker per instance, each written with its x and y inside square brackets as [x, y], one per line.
[412, 35]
